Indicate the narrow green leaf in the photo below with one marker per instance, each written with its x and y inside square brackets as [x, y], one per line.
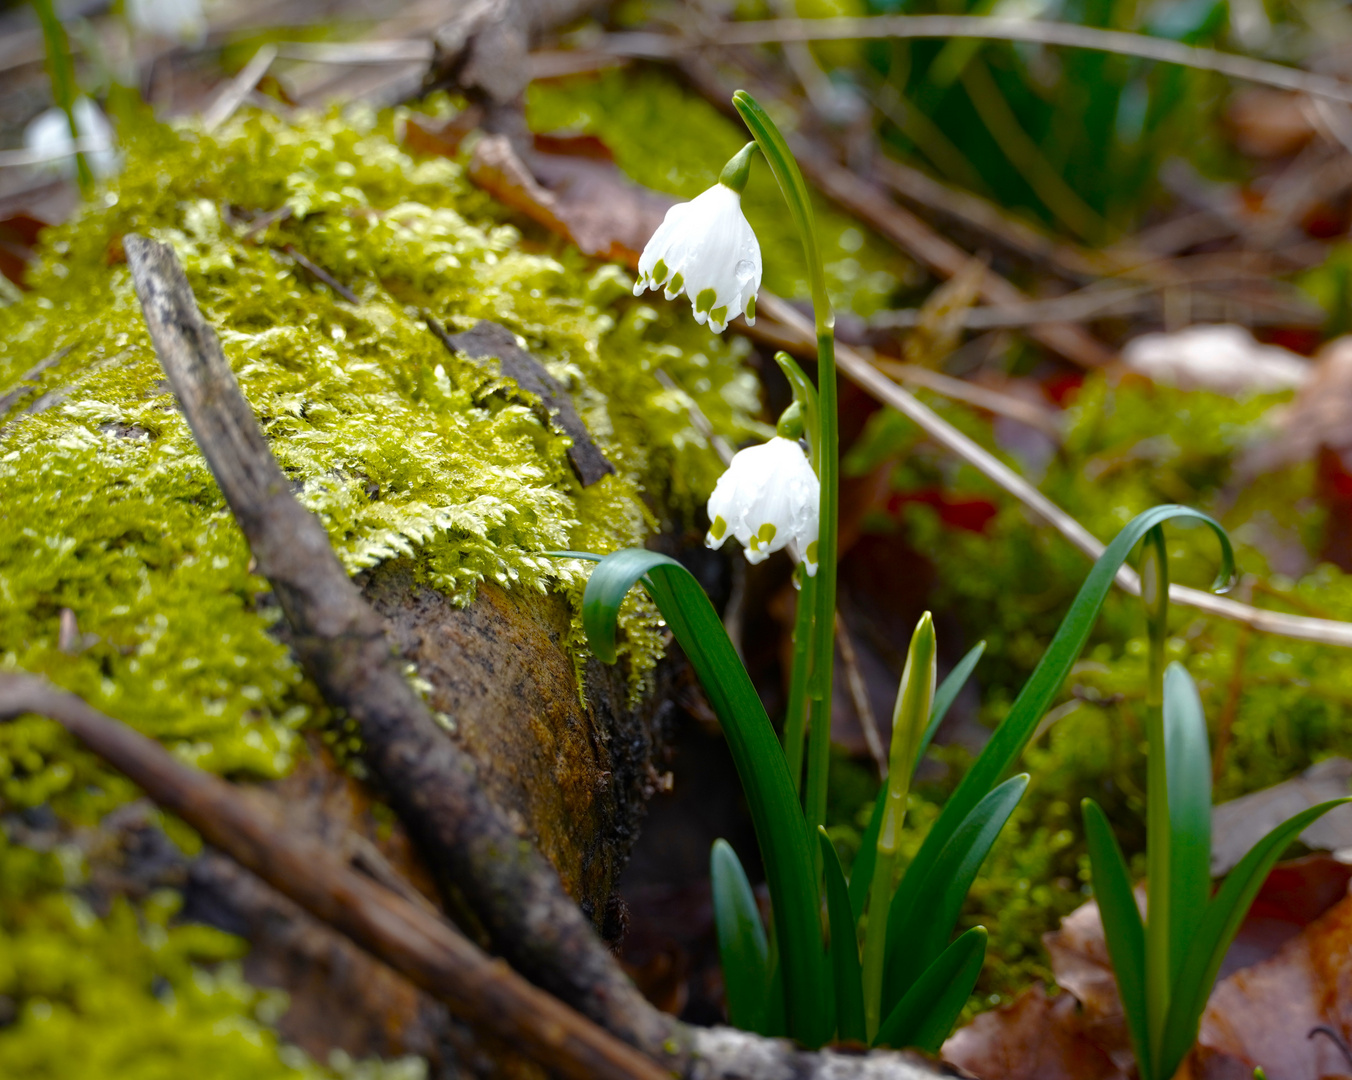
[945, 696]
[742, 945]
[781, 832]
[1219, 925]
[844, 947]
[918, 933]
[861, 873]
[1187, 759]
[1122, 926]
[1013, 734]
[925, 1016]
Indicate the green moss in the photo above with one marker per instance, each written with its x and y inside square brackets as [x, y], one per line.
[127, 995]
[401, 448]
[672, 142]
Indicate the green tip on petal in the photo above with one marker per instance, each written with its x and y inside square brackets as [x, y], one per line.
[751, 310]
[660, 271]
[719, 315]
[766, 533]
[704, 302]
[718, 528]
[738, 169]
[811, 554]
[676, 284]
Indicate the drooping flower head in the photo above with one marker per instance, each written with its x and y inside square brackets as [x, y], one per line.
[705, 248]
[769, 498]
[48, 136]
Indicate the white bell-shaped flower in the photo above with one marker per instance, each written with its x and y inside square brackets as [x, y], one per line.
[173, 20]
[769, 498]
[706, 249]
[48, 137]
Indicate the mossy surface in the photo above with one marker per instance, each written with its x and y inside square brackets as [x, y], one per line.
[401, 448]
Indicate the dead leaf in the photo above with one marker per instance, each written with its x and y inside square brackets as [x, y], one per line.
[1269, 123]
[1079, 956]
[584, 199]
[1035, 1037]
[1239, 824]
[1263, 1015]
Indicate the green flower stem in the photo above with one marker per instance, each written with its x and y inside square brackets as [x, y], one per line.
[824, 637]
[910, 717]
[795, 716]
[826, 452]
[1155, 596]
[62, 73]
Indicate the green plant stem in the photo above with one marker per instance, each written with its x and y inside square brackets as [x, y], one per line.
[826, 452]
[875, 936]
[62, 73]
[824, 637]
[1155, 596]
[795, 716]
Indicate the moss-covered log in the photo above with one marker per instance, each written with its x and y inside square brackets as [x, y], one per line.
[125, 578]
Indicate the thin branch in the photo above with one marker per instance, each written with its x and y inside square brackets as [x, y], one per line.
[993, 28]
[863, 708]
[477, 854]
[239, 88]
[321, 275]
[418, 944]
[992, 401]
[421, 946]
[795, 332]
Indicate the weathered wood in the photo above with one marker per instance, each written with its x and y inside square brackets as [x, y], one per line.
[476, 851]
[492, 341]
[419, 945]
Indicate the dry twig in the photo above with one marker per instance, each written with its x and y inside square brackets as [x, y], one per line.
[429, 782]
[794, 332]
[419, 945]
[341, 642]
[993, 28]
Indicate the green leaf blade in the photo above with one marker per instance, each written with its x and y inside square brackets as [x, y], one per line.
[742, 945]
[781, 832]
[918, 933]
[861, 873]
[926, 1014]
[1009, 739]
[1122, 926]
[844, 947]
[1187, 758]
[945, 696]
[1222, 920]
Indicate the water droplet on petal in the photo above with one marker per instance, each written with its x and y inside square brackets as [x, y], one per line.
[745, 270]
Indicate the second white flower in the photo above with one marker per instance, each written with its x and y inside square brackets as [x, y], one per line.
[768, 499]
